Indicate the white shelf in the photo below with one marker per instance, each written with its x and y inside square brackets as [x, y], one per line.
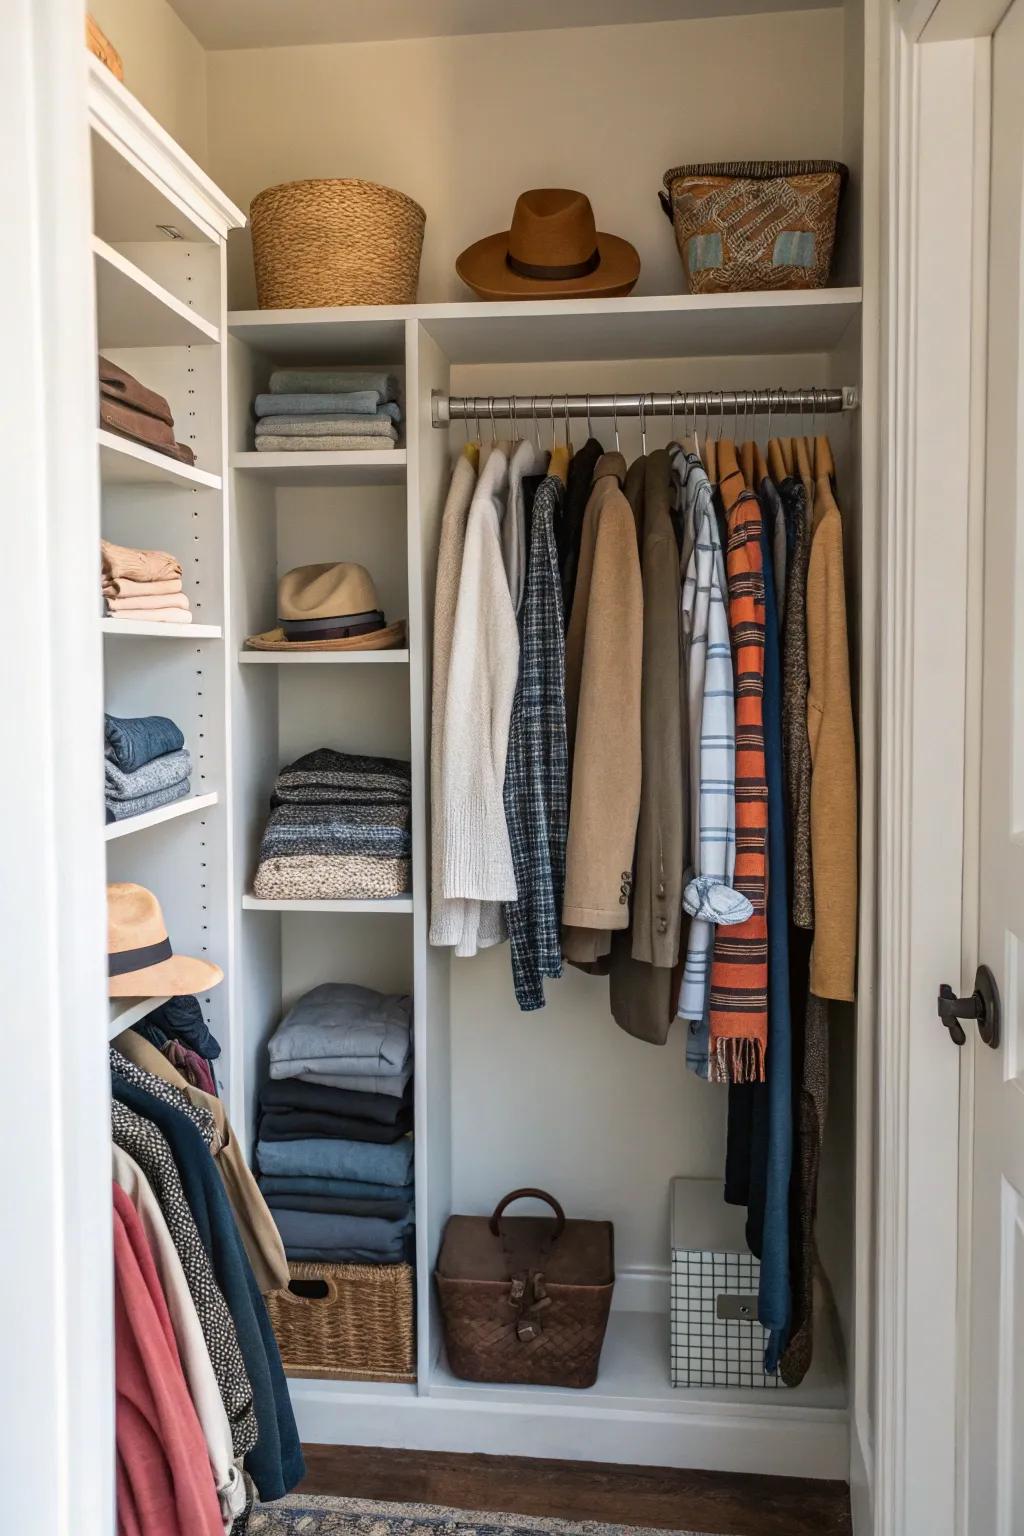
[388, 906]
[126, 1011]
[171, 812]
[135, 311]
[123, 462]
[564, 330]
[323, 658]
[158, 631]
[381, 467]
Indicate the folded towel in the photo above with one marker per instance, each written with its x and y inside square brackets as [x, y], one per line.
[337, 1205]
[120, 560]
[116, 384]
[333, 381]
[325, 830]
[341, 1027]
[334, 877]
[155, 616]
[333, 444]
[304, 1184]
[323, 1229]
[124, 586]
[295, 1093]
[140, 606]
[137, 740]
[124, 810]
[299, 1124]
[158, 773]
[327, 426]
[396, 1084]
[328, 1159]
[348, 775]
[365, 404]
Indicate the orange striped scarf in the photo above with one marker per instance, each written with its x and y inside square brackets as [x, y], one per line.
[739, 971]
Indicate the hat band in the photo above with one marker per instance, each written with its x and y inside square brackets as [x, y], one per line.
[333, 629]
[553, 274]
[139, 959]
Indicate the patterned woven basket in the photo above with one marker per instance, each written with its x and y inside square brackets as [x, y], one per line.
[316, 244]
[347, 1322]
[755, 225]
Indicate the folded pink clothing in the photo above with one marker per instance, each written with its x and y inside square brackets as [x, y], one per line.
[124, 586]
[118, 561]
[145, 604]
[157, 615]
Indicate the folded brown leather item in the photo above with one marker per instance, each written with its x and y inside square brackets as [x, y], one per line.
[143, 429]
[115, 384]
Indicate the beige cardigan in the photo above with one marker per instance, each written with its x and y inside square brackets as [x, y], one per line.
[603, 657]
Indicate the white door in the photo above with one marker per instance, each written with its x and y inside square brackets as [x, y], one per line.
[995, 1423]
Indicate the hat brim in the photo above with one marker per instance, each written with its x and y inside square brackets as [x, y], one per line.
[179, 976]
[377, 640]
[483, 268]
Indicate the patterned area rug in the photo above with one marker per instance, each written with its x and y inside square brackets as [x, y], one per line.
[310, 1514]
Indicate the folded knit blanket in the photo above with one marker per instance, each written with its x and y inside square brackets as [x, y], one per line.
[123, 810]
[339, 1205]
[333, 444]
[363, 1160]
[366, 404]
[136, 740]
[116, 384]
[341, 1027]
[119, 560]
[333, 1189]
[124, 586]
[323, 1229]
[322, 830]
[335, 877]
[327, 426]
[333, 381]
[294, 1093]
[158, 773]
[348, 775]
[301, 1124]
[141, 606]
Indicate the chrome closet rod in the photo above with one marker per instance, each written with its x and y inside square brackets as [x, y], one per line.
[682, 402]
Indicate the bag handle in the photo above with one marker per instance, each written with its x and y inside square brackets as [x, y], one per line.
[529, 1194]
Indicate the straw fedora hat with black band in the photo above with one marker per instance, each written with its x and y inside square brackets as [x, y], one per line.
[553, 250]
[140, 960]
[329, 607]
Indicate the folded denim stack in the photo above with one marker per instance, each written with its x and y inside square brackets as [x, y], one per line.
[178, 1031]
[131, 410]
[339, 829]
[327, 410]
[142, 584]
[335, 1149]
[146, 765]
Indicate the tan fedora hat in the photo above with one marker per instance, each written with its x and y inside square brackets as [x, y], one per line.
[553, 250]
[330, 607]
[140, 961]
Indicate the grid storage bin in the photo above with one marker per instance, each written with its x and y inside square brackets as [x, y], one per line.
[715, 1338]
[347, 1322]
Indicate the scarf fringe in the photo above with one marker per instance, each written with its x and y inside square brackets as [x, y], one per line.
[737, 1060]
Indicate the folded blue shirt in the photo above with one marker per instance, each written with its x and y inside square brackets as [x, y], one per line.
[368, 1161]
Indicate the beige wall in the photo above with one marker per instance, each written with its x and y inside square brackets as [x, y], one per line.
[463, 124]
[164, 65]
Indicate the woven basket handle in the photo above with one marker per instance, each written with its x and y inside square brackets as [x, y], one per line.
[666, 206]
[529, 1194]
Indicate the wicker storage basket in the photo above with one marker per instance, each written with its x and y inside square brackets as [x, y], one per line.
[526, 1299]
[749, 226]
[320, 243]
[98, 43]
[350, 1322]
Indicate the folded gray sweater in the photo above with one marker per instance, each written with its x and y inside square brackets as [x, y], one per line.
[159, 773]
[342, 1028]
[332, 381]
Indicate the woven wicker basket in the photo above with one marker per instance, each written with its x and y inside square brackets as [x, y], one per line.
[755, 225]
[320, 243]
[348, 1322]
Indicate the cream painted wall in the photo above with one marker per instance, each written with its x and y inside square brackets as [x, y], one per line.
[164, 66]
[463, 124]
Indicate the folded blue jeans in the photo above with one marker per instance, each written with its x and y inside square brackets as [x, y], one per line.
[131, 743]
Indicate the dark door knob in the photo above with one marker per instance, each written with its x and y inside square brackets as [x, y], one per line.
[982, 1006]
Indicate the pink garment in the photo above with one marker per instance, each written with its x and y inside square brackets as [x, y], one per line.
[164, 1483]
[124, 586]
[157, 615]
[144, 604]
[195, 1069]
[118, 560]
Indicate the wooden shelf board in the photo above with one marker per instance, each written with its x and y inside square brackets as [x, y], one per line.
[323, 658]
[123, 462]
[126, 1011]
[134, 311]
[151, 631]
[176, 808]
[385, 467]
[388, 906]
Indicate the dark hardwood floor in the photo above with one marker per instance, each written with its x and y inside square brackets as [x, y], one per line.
[725, 1504]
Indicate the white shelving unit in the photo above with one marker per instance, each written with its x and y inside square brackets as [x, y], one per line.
[123, 462]
[184, 807]
[140, 628]
[384, 467]
[134, 311]
[126, 1011]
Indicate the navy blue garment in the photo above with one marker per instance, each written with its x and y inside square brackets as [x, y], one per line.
[180, 1018]
[275, 1463]
[133, 743]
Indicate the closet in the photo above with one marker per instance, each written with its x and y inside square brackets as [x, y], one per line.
[559, 1098]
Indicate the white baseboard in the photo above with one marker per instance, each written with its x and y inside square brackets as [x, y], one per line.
[861, 1483]
[641, 1290]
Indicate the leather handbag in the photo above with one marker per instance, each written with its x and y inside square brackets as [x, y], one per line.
[526, 1298]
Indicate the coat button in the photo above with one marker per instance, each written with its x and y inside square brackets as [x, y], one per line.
[661, 887]
[662, 924]
[622, 901]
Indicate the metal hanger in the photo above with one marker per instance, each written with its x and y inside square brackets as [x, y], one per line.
[568, 439]
[643, 427]
[590, 430]
[490, 407]
[615, 422]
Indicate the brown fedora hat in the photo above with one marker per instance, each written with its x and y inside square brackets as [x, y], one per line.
[553, 250]
[330, 607]
[140, 961]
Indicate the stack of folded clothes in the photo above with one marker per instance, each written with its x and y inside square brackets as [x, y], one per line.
[142, 584]
[131, 410]
[339, 829]
[146, 765]
[178, 1031]
[326, 410]
[335, 1149]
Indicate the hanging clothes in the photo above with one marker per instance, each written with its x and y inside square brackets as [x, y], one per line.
[796, 745]
[603, 657]
[527, 460]
[811, 1068]
[570, 525]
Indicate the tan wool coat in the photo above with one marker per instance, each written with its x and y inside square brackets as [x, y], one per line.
[603, 657]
